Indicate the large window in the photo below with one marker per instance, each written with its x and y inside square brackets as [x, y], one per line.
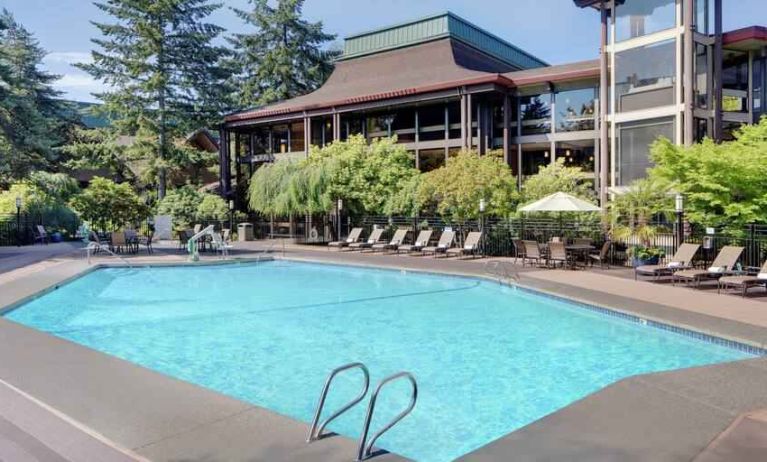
[430, 159]
[536, 114]
[701, 76]
[431, 122]
[636, 18]
[634, 141]
[280, 137]
[403, 125]
[352, 124]
[297, 136]
[577, 154]
[735, 82]
[704, 16]
[645, 76]
[535, 156]
[575, 110]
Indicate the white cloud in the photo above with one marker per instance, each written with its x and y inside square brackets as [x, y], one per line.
[67, 57]
[77, 81]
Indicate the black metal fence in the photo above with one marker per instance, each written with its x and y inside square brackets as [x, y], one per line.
[21, 229]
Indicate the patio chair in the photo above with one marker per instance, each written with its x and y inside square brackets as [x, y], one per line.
[197, 228]
[557, 254]
[220, 246]
[470, 245]
[603, 257]
[393, 244]
[95, 242]
[131, 240]
[183, 238]
[374, 237]
[226, 235]
[723, 263]
[146, 241]
[744, 282]
[445, 242]
[681, 260]
[41, 235]
[532, 252]
[353, 237]
[420, 242]
[519, 250]
[118, 242]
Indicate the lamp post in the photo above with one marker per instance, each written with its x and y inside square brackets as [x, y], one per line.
[231, 216]
[339, 207]
[482, 206]
[19, 203]
[679, 207]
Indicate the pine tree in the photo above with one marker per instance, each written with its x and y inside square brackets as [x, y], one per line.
[163, 73]
[283, 57]
[32, 118]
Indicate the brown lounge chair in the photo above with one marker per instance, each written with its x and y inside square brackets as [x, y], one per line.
[603, 257]
[470, 245]
[420, 242]
[374, 237]
[445, 242]
[744, 282]
[395, 241]
[681, 260]
[42, 235]
[723, 263]
[354, 236]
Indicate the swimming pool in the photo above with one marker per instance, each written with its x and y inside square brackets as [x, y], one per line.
[488, 358]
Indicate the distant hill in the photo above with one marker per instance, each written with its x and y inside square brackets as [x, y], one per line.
[87, 115]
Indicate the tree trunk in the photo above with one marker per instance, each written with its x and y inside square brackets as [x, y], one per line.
[161, 172]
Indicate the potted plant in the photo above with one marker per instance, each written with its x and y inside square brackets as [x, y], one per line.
[642, 255]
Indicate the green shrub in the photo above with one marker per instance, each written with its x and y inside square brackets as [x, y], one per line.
[108, 205]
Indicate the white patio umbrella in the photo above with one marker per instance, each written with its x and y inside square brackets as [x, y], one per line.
[560, 202]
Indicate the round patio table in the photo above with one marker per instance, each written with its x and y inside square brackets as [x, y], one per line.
[579, 250]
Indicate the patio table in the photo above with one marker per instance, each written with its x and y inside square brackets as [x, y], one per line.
[579, 250]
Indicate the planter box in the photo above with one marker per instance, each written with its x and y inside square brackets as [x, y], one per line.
[635, 262]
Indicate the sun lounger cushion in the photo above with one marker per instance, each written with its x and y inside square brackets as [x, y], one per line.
[675, 264]
[717, 269]
[762, 276]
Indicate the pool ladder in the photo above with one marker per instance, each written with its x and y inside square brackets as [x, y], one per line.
[365, 447]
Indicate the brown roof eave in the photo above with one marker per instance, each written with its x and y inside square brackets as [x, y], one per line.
[299, 110]
[565, 76]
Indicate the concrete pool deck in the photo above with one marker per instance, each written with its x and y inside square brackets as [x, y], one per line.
[137, 413]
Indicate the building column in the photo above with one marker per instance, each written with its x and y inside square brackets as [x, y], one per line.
[718, 56]
[481, 128]
[464, 97]
[507, 158]
[336, 127]
[604, 140]
[225, 181]
[469, 122]
[307, 135]
[688, 72]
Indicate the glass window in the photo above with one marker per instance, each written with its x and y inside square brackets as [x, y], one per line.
[577, 154]
[704, 16]
[758, 87]
[634, 140]
[351, 125]
[280, 137]
[297, 136]
[431, 122]
[454, 118]
[636, 18]
[317, 132]
[260, 144]
[403, 125]
[645, 76]
[378, 125]
[701, 76]
[430, 159]
[536, 114]
[575, 110]
[735, 82]
[535, 156]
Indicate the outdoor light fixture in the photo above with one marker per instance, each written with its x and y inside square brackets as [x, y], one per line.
[19, 203]
[340, 204]
[567, 153]
[231, 205]
[546, 154]
[482, 205]
[679, 203]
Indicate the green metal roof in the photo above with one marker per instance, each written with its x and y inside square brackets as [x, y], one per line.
[444, 25]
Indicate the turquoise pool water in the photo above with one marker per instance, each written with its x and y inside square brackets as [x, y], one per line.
[488, 358]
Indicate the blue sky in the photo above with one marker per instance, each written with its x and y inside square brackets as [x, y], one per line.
[554, 30]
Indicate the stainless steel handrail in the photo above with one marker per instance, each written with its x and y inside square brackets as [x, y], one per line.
[315, 432]
[363, 451]
[94, 247]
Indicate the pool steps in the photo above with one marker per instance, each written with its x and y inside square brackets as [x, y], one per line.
[365, 448]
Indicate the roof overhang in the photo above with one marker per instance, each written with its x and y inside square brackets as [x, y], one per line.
[748, 38]
[593, 3]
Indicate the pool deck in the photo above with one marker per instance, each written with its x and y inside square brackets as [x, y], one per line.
[89, 403]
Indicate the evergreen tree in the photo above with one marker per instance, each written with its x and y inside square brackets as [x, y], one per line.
[283, 57]
[163, 73]
[32, 118]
